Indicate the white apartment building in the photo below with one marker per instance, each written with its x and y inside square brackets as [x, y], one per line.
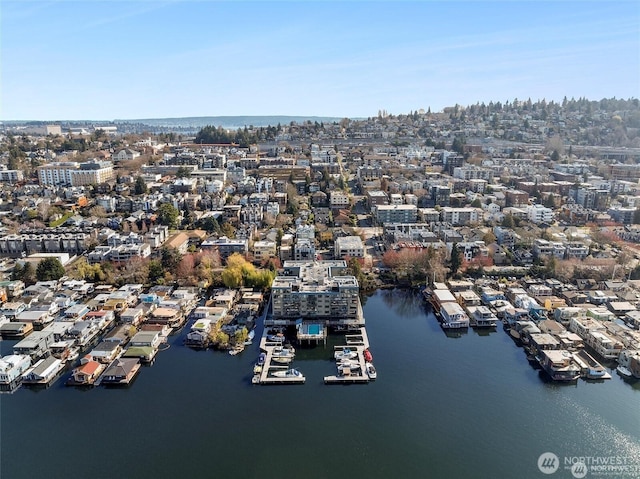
[539, 214]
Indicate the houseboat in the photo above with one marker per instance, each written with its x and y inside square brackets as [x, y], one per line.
[44, 372]
[121, 371]
[440, 297]
[482, 317]
[87, 373]
[12, 367]
[559, 365]
[452, 316]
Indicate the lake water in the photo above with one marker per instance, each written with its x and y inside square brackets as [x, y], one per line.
[442, 407]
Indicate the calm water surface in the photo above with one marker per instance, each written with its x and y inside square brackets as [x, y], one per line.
[442, 407]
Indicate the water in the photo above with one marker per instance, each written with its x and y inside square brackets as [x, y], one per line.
[465, 407]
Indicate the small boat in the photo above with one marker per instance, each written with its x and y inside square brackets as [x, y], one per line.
[289, 373]
[371, 370]
[276, 338]
[348, 363]
[257, 369]
[283, 352]
[261, 359]
[255, 379]
[236, 350]
[282, 359]
[623, 371]
[250, 336]
[346, 353]
[368, 357]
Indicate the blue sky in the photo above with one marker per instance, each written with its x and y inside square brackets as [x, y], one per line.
[152, 59]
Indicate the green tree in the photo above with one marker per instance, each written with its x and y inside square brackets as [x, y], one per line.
[507, 221]
[476, 203]
[458, 145]
[170, 258]
[49, 269]
[456, 259]
[156, 272]
[183, 172]
[140, 187]
[168, 215]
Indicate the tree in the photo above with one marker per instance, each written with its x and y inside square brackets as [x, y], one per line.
[168, 215]
[456, 259]
[49, 269]
[507, 221]
[489, 238]
[183, 172]
[156, 272]
[140, 187]
[476, 203]
[458, 145]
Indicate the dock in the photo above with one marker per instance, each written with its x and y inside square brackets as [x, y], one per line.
[264, 376]
[358, 343]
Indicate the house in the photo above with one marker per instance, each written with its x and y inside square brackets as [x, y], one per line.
[125, 154]
[12, 367]
[151, 339]
[44, 371]
[15, 329]
[122, 371]
[167, 316]
[105, 351]
[88, 371]
[36, 345]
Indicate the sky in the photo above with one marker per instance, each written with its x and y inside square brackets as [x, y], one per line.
[106, 60]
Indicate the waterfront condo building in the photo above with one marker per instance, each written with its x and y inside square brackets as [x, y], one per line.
[316, 291]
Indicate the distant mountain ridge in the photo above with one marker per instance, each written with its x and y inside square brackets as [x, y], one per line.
[232, 122]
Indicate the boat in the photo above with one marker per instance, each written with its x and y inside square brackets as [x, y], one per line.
[250, 337]
[282, 359]
[276, 338]
[625, 359]
[348, 363]
[236, 350]
[261, 359]
[371, 370]
[623, 371]
[255, 379]
[368, 357]
[346, 353]
[288, 373]
[592, 369]
[257, 369]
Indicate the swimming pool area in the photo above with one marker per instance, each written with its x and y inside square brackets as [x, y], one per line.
[315, 329]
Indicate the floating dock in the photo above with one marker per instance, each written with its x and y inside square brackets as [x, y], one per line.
[358, 343]
[264, 376]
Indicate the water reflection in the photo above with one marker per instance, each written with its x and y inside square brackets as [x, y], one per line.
[405, 303]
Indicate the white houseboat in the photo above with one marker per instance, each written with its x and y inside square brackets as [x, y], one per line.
[453, 316]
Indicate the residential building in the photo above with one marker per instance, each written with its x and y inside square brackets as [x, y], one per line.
[314, 290]
[350, 246]
[396, 214]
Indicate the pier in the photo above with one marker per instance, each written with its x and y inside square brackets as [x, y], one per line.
[357, 374]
